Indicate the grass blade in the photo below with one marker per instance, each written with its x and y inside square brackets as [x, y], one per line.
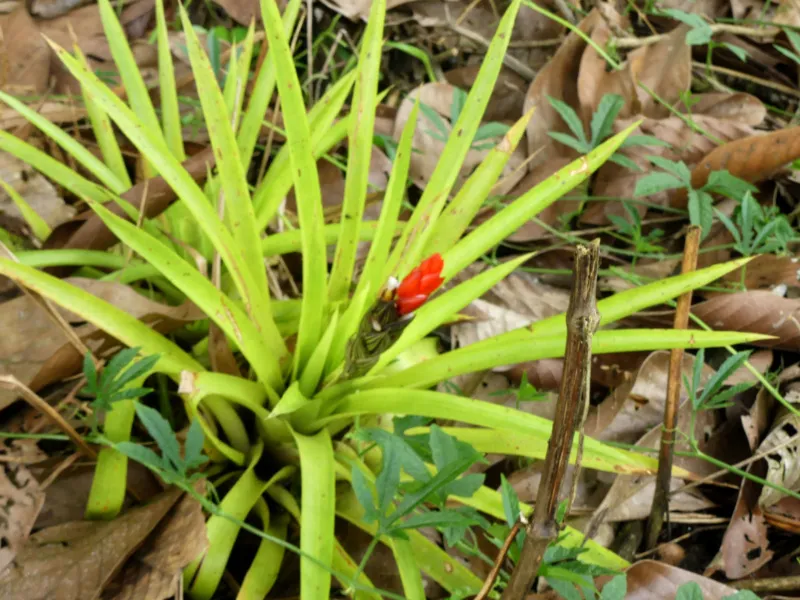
[317, 510]
[263, 90]
[170, 111]
[407, 252]
[37, 224]
[236, 196]
[458, 215]
[221, 309]
[306, 186]
[362, 123]
[495, 230]
[375, 264]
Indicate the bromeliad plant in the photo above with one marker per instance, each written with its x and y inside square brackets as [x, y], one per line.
[346, 351]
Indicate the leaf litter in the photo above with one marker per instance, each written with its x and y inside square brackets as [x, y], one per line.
[698, 122]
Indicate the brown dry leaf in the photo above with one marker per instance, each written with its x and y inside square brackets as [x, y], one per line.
[35, 351]
[740, 107]
[558, 79]
[153, 571]
[653, 580]
[241, 11]
[429, 141]
[50, 9]
[595, 82]
[516, 301]
[744, 547]
[37, 191]
[783, 466]
[26, 56]
[55, 111]
[76, 560]
[665, 68]
[753, 158]
[631, 496]
[756, 312]
[67, 496]
[784, 514]
[635, 407]
[357, 9]
[767, 271]
[88, 28]
[21, 500]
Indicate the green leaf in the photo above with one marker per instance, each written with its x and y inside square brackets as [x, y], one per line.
[722, 182]
[159, 429]
[142, 455]
[654, 183]
[677, 168]
[459, 99]
[510, 501]
[490, 130]
[437, 518]
[193, 448]
[689, 591]
[434, 117]
[644, 140]
[364, 494]
[615, 589]
[604, 116]
[571, 118]
[701, 211]
[740, 52]
[136, 370]
[359, 153]
[575, 144]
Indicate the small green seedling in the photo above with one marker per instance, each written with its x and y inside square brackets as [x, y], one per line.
[756, 229]
[602, 127]
[675, 175]
[170, 466]
[112, 383]
[630, 231]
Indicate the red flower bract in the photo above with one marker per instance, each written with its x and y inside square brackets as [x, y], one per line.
[419, 284]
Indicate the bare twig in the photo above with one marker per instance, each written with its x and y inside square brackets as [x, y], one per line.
[637, 42]
[498, 563]
[660, 507]
[582, 321]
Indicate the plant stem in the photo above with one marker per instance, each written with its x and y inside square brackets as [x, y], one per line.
[582, 321]
[370, 549]
[660, 507]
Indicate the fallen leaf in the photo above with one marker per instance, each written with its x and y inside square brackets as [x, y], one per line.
[780, 449]
[50, 9]
[38, 353]
[740, 107]
[508, 95]
[754, 158]
[26, 56]
[558, 79]
[637, 406]
[55, 111]
[757, 312]
[784, 514]
[35, 189]
[359, 9]
[651, 579]
[76, 560]
[516, 301]
[744, 547]
[21, 500]
[767, 271]
[154, 570]
[68, 494]
[241, 11]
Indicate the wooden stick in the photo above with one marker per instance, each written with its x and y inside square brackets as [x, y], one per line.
[498, 563]
[582, 321]
[660, 507]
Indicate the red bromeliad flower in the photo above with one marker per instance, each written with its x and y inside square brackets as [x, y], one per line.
[419, 284]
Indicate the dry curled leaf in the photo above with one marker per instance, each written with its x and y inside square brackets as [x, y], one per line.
[75, 561]
[744, 547]
[650, 579]
[756, 312]
[754, 158]
[767, 271]
[781, 448]
[21, 500]
[25, 55]
[153, 571]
